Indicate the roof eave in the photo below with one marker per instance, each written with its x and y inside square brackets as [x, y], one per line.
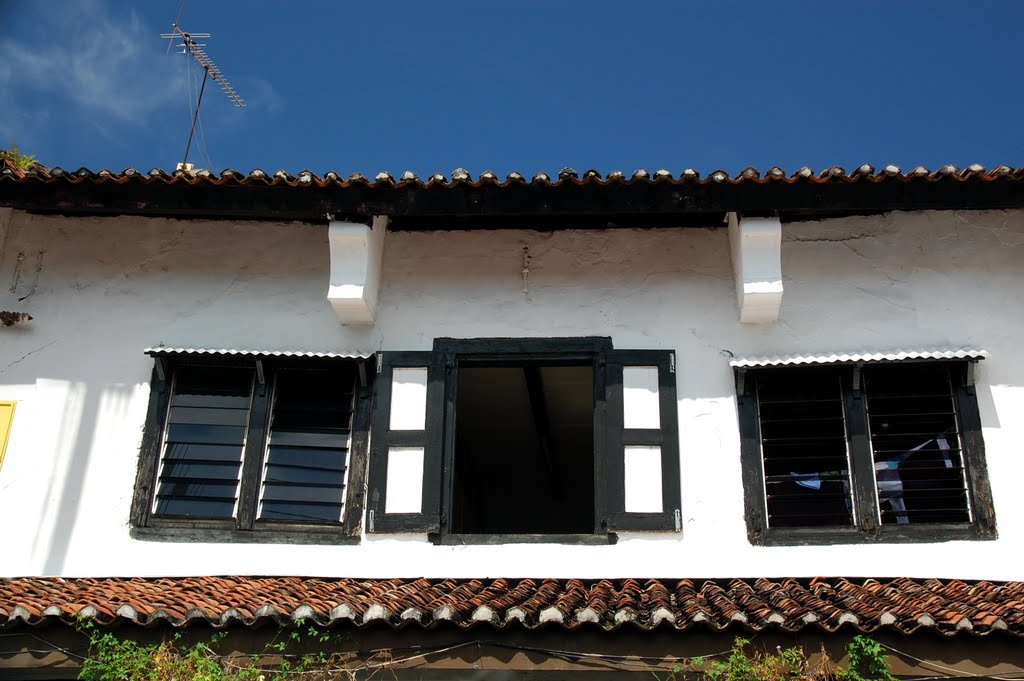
[492, 205]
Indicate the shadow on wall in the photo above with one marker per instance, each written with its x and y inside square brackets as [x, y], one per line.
[87, 428]
[72, 395]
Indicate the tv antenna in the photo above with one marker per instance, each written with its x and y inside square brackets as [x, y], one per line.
[210, 70]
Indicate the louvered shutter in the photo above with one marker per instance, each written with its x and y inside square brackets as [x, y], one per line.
[405, 444]
[642, 450]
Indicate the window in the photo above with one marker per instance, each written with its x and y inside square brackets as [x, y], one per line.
[863, 452]
[253, 448]
[499, 440]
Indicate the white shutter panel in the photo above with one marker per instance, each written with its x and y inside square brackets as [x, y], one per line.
[643, 441]
[405, 444]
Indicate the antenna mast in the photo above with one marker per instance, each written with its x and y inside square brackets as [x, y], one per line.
[210, 70]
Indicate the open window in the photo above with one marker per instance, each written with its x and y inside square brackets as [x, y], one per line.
[493, 440]
[523, 455]
[253, 447]
[863, 451]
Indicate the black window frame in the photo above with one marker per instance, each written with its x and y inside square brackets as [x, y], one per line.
[866, 528]
[245, 526]
[455, 353]
[610, 437]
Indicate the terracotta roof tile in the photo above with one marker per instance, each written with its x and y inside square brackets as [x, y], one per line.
[863, 173]
[569, 199]
[898, 605]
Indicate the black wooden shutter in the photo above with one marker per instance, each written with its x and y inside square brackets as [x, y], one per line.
[639, 437]
[388, 443]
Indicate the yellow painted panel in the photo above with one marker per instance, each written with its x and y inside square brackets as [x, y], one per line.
[6, 418]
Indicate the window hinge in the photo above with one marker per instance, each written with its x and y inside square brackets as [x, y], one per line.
[161, 368]
[970, 373]
[380, 361]
[362, 373]
[259, 372]
[671, 362]
[679, 520]
[856, 379]
[369, 521]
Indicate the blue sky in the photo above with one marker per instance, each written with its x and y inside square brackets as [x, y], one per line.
[528, 86]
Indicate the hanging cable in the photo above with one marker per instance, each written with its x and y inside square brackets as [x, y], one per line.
[199, 101]
[960, 674]
[202, 144]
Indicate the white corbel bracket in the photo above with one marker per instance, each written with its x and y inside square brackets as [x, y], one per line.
[756, 245]
[356, 252]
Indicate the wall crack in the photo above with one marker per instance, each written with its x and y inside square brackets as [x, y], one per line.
[27, 355]
[829, 240]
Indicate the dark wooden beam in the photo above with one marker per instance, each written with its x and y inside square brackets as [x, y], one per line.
[529, 206]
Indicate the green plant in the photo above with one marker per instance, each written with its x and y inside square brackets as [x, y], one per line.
[744, 662]
[122, 659]
[20, 160]
[867, 661]
[112, 658]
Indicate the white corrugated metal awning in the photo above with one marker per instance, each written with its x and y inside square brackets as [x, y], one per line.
[227, 352]
[857, 357]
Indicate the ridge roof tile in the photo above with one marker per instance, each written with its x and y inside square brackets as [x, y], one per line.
[749, 174]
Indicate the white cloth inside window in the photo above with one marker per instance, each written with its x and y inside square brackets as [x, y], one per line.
[890, 485]
[887, 477]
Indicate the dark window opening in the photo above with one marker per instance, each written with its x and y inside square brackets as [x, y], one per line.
[242, 449]
[861, 452]
[202, 455]
[525, 440]
[524, 449]
[915, 439]
[307, 446]
[804, 450]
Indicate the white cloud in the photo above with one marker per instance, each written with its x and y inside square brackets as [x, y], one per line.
[95, 57]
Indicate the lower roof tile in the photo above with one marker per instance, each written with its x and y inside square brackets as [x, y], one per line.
[900, 605]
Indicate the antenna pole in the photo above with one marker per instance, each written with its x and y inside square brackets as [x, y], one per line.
[210, 70]
[197, 52]
[195, 117]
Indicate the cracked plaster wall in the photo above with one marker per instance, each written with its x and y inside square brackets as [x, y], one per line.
[107, 288]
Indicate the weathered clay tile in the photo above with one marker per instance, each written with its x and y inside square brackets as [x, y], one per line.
[889, 173]
[901, 605]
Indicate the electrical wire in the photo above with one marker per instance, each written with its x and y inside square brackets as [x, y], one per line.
[53, 646]
[552, 651]
[941, 667]
[203, 147]
[202, 140]
[170, 41]
[188, 84]
[191, 84]
[621, 661]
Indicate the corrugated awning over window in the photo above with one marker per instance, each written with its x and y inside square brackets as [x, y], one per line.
[857, 357]
[257, 354]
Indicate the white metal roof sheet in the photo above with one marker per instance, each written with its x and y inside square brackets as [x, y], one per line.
[162, 351]
[853, 357]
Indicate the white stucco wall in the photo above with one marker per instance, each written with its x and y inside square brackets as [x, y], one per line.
[107, 288]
